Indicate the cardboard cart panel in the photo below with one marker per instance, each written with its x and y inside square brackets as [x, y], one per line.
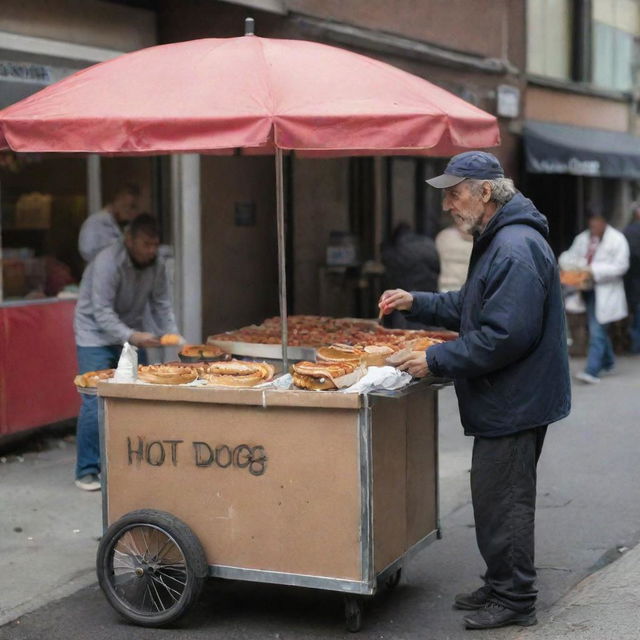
[315, 488]
[272, 489]
[404, 473]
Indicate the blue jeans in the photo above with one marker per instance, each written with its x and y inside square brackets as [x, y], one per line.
[87, 432]
[634, 330]
[600, 354]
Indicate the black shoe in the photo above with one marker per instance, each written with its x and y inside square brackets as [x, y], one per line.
[493, 615]
[474, 600]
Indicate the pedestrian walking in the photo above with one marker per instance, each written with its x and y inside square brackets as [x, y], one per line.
[510, 370]
[632, 277]
[604, 252]
[115, 289]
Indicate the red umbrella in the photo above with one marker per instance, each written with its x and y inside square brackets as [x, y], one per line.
[247, 92]
[256, 94]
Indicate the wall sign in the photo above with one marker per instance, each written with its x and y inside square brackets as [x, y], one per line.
[245, 214]
[25, 71]
[508, 101]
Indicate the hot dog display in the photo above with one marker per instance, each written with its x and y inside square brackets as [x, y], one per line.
[323, 376]
[343, 349]
[167, 374]
[90, 379]
[237, 373]
[318, 331]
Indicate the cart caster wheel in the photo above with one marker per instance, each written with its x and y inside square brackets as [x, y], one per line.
[392, 581]
[353, 613]
[151, 567]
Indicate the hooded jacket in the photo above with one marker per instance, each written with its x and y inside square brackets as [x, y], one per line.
[411, 263]
[509, 365]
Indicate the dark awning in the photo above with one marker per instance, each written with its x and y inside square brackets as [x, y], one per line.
[580, 151]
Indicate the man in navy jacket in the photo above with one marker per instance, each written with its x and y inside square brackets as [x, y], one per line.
[510, 370]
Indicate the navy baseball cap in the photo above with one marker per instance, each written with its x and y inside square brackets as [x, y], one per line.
[479, 165]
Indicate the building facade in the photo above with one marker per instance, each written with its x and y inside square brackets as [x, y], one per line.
[559, 74]
[580, 150]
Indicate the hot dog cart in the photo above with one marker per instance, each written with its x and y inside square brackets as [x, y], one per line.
[319, 490]
[326, 490]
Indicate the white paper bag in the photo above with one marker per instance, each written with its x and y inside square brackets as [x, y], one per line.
[127, 370]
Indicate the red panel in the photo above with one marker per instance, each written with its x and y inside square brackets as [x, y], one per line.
[37, 365]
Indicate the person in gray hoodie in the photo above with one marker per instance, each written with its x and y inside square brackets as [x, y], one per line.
[510, 369]
[118, 285]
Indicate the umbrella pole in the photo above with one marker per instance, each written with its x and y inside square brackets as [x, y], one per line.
[282, 257]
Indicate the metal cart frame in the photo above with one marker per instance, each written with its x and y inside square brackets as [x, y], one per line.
[372, 574]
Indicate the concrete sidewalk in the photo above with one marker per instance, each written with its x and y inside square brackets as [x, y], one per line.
[49, 535]
[604, 606]
[49, 529]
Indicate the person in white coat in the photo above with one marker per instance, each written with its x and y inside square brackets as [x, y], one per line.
[604, 252]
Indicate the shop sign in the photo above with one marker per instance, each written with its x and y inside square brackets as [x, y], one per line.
[25, 72]
[573, 166]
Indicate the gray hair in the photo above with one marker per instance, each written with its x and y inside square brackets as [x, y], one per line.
[502, 189]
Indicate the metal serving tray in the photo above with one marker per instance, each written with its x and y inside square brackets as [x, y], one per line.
[268, 351]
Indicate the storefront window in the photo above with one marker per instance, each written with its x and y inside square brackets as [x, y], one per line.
[43, 204]
[44, 201]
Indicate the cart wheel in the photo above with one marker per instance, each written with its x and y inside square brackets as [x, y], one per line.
[151, 567]
[392, 581]
[353, 613]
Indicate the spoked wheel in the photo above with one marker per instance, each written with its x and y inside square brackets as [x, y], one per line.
[151, 567]
[353, 613]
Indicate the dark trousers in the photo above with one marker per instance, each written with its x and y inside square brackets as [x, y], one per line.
[503, 492]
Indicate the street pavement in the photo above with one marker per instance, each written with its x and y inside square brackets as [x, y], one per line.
[48, 528]
[588, 518]
[604, 606]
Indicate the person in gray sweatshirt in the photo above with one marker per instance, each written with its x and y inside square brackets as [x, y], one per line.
[116, 287]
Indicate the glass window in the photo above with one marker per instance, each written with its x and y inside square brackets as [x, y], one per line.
[616, 25]
[43, 204]
[549, 47]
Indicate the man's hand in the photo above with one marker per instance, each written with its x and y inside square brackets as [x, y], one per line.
[144, 339]
[395, 299]
[415, 363]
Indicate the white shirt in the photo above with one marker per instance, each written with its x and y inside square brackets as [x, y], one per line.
[454, 249]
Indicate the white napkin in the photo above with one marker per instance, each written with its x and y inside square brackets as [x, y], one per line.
[283, 382]
[387, 378]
